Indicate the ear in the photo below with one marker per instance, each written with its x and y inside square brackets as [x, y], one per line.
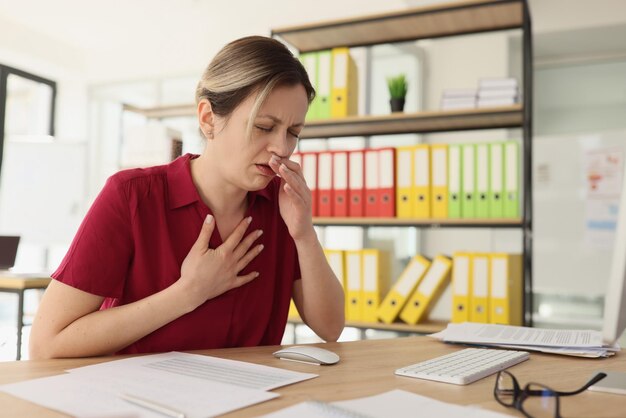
[206, 118]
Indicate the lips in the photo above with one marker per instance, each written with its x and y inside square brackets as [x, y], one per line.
[265, 169]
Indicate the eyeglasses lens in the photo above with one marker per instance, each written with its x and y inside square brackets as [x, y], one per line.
[545, 405]
[505, 389]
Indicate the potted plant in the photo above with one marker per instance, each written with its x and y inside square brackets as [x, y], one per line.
[397, 90]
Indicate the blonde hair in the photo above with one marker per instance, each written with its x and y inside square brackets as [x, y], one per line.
[254, 64]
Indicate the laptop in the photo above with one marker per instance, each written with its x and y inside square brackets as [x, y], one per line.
[8, 251]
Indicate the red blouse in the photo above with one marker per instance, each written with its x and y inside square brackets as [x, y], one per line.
[135, 237]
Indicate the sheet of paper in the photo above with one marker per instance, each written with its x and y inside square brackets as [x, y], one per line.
[469, 332]
[395, 403]
[203, 368]
[83, 395]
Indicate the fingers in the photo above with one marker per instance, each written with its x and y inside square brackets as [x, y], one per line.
[247, 242]
[202, 243]
[295, 182]
[235, 237]
[249, 256]
[241, 280]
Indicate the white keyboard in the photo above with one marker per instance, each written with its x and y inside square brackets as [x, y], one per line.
[465, 366]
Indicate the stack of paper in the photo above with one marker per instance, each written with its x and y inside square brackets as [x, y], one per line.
[189, 384]
[580, 343]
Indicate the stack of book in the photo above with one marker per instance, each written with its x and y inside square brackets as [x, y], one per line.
[452, 99]
[497, 92]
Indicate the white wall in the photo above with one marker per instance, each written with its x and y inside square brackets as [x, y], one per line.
[37, 53]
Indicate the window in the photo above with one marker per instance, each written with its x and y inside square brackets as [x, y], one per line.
[27, 105]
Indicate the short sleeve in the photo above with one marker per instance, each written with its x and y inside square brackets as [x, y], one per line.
[98, 259]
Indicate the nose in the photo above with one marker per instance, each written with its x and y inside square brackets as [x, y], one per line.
[281, 145]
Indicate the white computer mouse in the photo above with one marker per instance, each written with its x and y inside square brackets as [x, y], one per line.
[307, 354]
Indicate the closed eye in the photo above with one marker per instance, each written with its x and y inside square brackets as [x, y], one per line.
[264, 129]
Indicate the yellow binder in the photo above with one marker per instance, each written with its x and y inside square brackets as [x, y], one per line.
[344, 84]
[375, 282]
[461, 284]
[428, 291]
[439, 178]
[421, 181]
[293, 311]
[402, 289]
[506, 289]
[480, 288]
[354, 303]
[404, 185]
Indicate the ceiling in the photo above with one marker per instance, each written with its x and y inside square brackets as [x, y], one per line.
[140, 38]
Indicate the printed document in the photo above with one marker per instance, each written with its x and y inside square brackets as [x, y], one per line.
[396, 403]
[239, 373]
[583, 343]
[198, 386]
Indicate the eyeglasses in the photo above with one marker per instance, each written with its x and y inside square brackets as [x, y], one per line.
[535, 400]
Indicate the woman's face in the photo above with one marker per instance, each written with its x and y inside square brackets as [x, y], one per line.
[275, 130]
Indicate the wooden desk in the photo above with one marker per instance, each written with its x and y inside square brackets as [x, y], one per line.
[366, 368]
[20, 283]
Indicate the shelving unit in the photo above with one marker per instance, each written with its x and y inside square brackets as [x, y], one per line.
[434, 21]
[432, 223]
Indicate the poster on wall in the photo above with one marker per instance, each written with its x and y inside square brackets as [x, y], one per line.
[603, 185]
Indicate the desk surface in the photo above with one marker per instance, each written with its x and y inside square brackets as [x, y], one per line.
[366, 368]
[22, 281]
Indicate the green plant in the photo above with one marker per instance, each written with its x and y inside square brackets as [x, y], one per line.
[397, 86]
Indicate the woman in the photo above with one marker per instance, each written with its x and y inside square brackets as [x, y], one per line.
[207, 251]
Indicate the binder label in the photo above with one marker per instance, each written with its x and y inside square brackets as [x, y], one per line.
[439, 163]
[430, 281]
[481, 277]
[461, 273]
[370, 272]
[406, 282]
[498, 279]
[404, 175]
[340, 70]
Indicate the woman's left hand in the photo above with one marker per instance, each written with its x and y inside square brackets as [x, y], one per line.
[294, 198]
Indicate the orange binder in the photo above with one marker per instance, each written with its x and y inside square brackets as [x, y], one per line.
[371, 183]
[356, 188]
[325, 183]
[340, 183]
[387, 182]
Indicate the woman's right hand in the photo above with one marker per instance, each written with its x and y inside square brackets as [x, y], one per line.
[207, 273]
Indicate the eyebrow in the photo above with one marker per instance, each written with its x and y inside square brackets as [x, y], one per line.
[277, 120]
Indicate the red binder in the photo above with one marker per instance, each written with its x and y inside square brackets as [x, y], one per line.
[309, 170]
[340, 183]
[356, 189]
[325, 183]
[371, 183]
[387, 182]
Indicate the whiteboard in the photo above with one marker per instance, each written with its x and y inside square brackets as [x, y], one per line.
[42, 190]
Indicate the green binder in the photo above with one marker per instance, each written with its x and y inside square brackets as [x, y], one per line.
[482, 181]
[496, 176]
[511, 180]
[468, 201]
[324, 83]
[455, 181]
[309, 62]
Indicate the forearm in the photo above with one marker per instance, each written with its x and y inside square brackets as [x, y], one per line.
[107, 331]
[322, 304]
